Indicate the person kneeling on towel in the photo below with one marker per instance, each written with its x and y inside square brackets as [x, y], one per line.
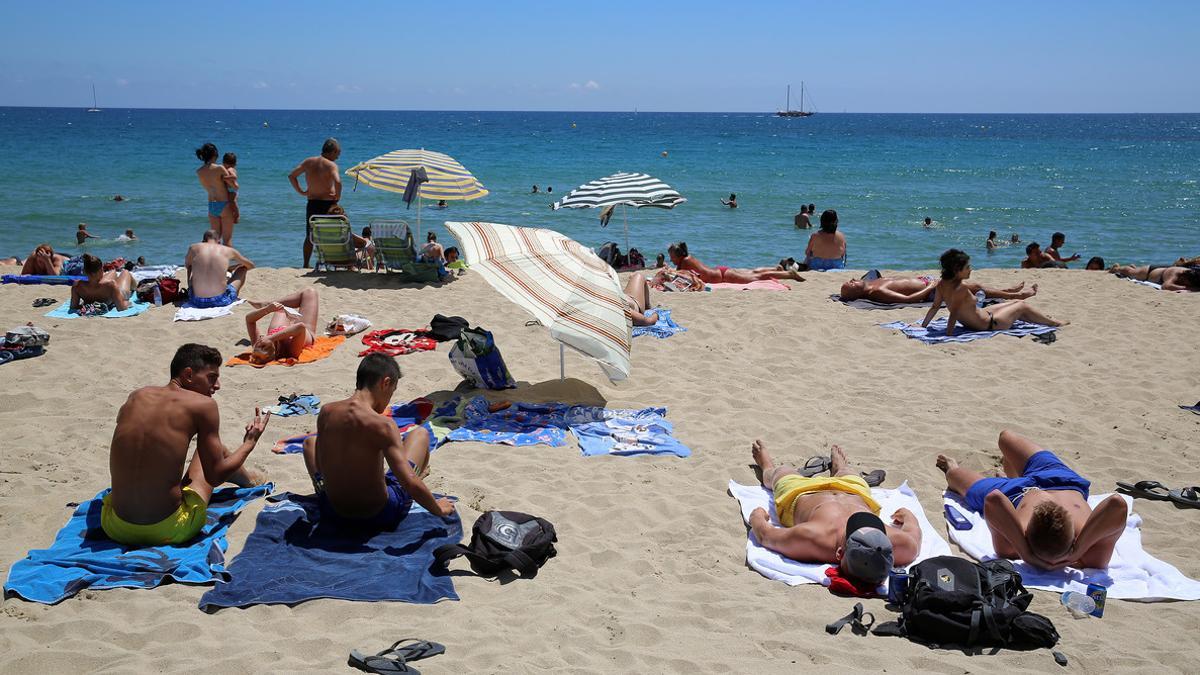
[833, 519]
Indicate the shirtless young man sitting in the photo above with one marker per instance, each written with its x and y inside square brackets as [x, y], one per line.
[207, 264]
[113, 288]
[905, 290]
[833, 520]
[1039, 512]
[722, 274]
[324, 187]
[354, 440]
[958, 298]
[155, 499]
[1170, 277]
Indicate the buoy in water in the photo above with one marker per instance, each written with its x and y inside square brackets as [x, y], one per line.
[572, 125]
[664, 153]
[265, 124]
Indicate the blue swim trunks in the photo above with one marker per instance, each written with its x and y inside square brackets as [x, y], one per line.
[1044, 471]
[225, 299]
[396, 508]
[821, 264]
[215, 208]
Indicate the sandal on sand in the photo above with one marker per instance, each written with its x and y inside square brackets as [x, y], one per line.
[815, 465]
[44, 302]
[874, 478]
[1193, 408]
[395, 659]
[1146, 489]
[1186, 497]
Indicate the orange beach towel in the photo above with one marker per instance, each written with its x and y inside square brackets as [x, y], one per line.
[322, 347]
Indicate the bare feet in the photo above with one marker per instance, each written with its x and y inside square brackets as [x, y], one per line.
[761, 457]
[837, 461]
[247, 477]
[946, 464]
[796, 276]
[1030, 293]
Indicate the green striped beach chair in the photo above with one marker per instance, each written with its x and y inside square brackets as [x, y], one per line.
[396, 251]
[332, 241]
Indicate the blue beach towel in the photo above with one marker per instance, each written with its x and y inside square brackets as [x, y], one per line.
[625, 436]
[45, 279]
[83, 557]
[289, 558]
[63, 311]
[936, 333]
[664, 328]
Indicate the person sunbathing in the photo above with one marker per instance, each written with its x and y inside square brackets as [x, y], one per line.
[354, 440]
[1038, 512]
[637, 301]
[903, 290]
[293, 326]
[159, 497]
[1188, 262]
[209, 282]
[955, 293]
[44, 261]
[722, 274]
[1170, 277]
[833, 520]
[110, 289]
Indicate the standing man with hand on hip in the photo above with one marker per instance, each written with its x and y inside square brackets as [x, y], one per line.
[324, 189]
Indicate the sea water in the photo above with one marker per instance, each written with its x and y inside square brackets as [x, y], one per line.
[1120, 186]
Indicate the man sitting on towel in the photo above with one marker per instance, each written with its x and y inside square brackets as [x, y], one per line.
[354, 439]
[1039, 512]
[905, 290]
[207, 264]
[833, 520]
[150, 504]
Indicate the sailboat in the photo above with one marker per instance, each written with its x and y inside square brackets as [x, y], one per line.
[788, 112]
[95, 107]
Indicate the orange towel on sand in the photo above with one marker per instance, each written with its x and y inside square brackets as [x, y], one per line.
[322, 347]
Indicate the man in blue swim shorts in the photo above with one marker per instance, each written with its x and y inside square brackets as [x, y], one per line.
[353, 435]
[1039, 511]
[210, 283]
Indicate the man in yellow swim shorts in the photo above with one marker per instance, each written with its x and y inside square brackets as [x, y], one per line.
[833, 519]
[154, 500]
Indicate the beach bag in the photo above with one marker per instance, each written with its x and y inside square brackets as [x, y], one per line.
[958, 603]
[477, 358]
[27, 336]
[168, 288]
[503, 541]
[347, 324]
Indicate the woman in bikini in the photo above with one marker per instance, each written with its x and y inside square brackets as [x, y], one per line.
[637, 301]
[954, 291]
[722, 274]
[293, 326]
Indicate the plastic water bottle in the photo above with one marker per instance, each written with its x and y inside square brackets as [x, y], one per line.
[980, 297]
[1080, 604]
[157, 296]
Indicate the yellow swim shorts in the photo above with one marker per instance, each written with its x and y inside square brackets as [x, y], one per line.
[177, 528]
[788, 488]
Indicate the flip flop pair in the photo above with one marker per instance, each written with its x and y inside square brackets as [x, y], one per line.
[395, 659]
[44, 302]
[818, 464]
[1188, 497]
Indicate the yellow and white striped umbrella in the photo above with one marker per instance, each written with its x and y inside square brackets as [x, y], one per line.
[448, 179]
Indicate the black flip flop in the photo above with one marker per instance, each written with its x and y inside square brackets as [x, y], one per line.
[874, 478]
[856, 619]
[1046, 338]
[44, 302]
[1188, 497]
[815, 465]
[1146, 489]
[395, 659]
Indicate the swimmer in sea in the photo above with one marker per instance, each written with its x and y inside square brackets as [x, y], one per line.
[731, 202]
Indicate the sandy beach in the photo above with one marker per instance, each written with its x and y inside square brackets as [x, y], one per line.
[651, 573]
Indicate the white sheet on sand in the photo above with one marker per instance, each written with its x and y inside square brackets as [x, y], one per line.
[1151, 284]
[1133, 574]
[774, 566]
[187, 312]
[144, 272]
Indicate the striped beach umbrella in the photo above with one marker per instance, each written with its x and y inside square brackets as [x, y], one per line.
[560, 282]
[638, 190]
[448, 179]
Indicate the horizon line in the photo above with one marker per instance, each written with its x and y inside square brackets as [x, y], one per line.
[634, 111]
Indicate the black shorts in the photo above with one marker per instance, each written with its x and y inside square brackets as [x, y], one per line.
[316, 207]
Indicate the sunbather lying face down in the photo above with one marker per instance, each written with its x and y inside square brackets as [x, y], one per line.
[293, 326]
[722, 274]
[149, 504]
[344, 458]
[956, 294]
[1039, 512]
[833, 520]
[1170, 277]
[902, 290]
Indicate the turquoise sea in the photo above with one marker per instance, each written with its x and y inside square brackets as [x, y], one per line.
[1121, 186]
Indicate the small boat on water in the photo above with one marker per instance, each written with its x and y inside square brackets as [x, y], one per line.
[787, 110]
[95, 107]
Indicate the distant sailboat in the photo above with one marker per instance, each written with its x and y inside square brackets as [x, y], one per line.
[787, 110]
[95, 107]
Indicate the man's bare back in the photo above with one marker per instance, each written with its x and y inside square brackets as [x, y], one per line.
[207, 263]
[351, 439]
[106, 289]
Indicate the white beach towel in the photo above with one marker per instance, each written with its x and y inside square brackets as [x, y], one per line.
[187, 312]
[1133, 574]
[145, 272]
[774, 566]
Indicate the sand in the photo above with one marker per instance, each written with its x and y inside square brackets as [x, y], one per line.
[651, 573]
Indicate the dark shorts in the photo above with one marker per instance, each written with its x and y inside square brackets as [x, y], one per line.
[1044, 470]
[316, 207]
[396, 508]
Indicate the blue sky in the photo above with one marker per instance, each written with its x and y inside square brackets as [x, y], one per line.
[673, 56]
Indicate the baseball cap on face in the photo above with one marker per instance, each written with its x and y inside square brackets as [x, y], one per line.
[868, 551]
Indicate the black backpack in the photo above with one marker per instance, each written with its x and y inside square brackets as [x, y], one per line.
[502, 541]
[445, 328]
[957, 603]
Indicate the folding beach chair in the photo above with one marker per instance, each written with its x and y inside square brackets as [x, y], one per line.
[332, 241]
[396, 251]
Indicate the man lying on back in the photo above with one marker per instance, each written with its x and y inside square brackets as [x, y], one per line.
[354, 439]
[903, 290]
[154, 501]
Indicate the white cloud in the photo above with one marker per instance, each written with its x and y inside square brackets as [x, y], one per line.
[260, 85]
[574, 85]
[592, 84]
[122, 82]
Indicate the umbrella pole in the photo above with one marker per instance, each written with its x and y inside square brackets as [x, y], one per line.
[625, 213]
[418, 217]
[562, 362]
